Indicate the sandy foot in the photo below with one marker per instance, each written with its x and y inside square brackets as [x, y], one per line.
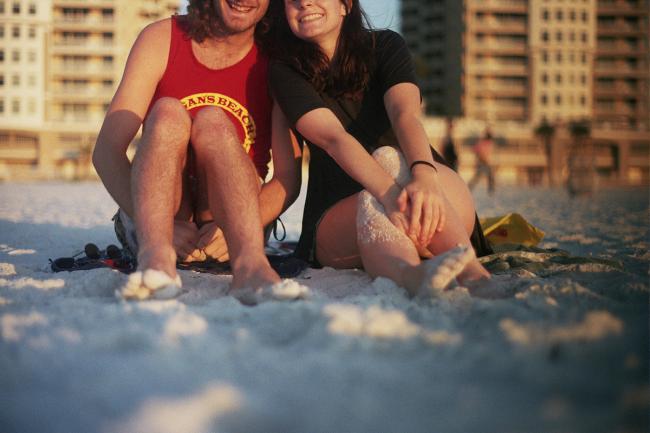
[150, 284]
[442, 270]
[285, 290]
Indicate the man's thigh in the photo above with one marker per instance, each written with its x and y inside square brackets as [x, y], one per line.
[336, 236]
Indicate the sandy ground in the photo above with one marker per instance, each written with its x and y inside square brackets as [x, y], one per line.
[562, 348]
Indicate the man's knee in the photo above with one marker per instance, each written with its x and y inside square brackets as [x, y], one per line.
[211, 123]
[393, 162]
[168, 121]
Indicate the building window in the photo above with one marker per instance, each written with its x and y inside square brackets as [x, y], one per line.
[558, 36]
[572, 15]
[544, 99]
[544, 78]
[31, 80]
[15, 32]
[2, 7]
[558, 99]
[585, 16]
[31, 32]
[32, 8]
[558, 57]
[584, 58]
[2, 105]
[584, 37]
[559, 15]
[583, 100]
[15, 80]
[583, 79]
[545, 14]
[15, 8]
[15, 56]
[545, 56]
[545, 36]
[15, 106]
[31, 106]
[2, 55]
[558, 78]
[31, 56]
[2, 80]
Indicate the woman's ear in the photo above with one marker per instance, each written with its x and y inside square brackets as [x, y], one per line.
[346, 7]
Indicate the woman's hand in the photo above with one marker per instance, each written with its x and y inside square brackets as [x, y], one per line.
[423, 201]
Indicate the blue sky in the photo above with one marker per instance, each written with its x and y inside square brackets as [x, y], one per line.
[382, 13]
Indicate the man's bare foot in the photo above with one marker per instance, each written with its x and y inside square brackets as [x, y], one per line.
[158, 258]
[437, 273]
[285, 290]
[150, 284]
[156, 277]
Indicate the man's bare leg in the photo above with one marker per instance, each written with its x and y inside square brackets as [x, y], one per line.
[232, 195]
[156, 183]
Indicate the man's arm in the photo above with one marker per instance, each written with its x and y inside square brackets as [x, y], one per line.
[283, 188]
[144, 68]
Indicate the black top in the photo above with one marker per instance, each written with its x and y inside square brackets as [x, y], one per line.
[365, 119]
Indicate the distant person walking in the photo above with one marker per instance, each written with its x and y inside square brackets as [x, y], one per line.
[483, 151]
[448, 148]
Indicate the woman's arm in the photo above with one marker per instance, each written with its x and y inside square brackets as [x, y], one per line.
[283, 188]
[423, 194]
[324, 129]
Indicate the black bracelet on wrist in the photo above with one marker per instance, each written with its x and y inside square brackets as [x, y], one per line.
[419, 161]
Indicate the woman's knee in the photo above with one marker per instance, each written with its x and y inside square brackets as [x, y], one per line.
[392, 160]
[210, 123]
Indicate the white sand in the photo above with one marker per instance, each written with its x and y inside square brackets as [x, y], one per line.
[563, 352]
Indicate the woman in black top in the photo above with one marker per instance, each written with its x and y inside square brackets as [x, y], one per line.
[350, 92]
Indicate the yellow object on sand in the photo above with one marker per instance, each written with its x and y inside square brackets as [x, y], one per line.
[511, 229]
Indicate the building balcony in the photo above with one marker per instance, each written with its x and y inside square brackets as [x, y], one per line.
[84, 71]
[83, 94]
[83, 24]
[508, 6]
[621, 29]
[500, 27]
[83, 46]
[619, 50]
[618, 89]
[103, 4]
[513, 48]
[497, 69]
[498, 90]
[621, 8]
[640, 71]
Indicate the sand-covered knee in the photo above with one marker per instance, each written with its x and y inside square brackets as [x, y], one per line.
[373, 226]
[393, 162]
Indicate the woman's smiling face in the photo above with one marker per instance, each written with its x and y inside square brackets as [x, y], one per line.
[318, 21]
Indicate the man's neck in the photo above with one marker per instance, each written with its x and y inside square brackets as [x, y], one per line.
[222, 52]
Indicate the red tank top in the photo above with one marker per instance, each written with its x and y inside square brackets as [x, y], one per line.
[240, 90]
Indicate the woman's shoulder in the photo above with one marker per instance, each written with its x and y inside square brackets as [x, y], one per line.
[386, 38]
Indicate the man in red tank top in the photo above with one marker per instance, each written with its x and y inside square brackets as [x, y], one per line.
[197, 85]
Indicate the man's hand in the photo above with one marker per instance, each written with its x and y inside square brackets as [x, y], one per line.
[213, 243]
[186, 239]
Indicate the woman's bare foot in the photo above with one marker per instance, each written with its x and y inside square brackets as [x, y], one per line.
[434, 275]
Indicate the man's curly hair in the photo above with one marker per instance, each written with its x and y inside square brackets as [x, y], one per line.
[202, 22]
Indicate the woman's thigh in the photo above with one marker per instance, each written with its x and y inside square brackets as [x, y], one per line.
[336, 236]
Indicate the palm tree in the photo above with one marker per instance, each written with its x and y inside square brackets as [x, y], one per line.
[582, 170]
[546, 131]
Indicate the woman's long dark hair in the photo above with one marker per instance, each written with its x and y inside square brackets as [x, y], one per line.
[348, 72]
[202, 22]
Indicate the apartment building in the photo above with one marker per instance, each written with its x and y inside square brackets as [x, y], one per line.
[522, 62]
[60, 63]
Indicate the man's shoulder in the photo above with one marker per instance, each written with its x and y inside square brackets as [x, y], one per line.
[157, 33]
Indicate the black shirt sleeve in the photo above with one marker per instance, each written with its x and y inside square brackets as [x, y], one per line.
[394, 61]
[291, 90]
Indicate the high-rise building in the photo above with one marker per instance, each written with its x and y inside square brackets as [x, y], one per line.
[60, 63]
[621, 82]
[525, 61]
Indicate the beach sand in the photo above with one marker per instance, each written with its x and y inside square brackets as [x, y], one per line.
[561, 348]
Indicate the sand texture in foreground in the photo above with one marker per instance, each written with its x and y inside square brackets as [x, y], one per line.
[563, 348]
